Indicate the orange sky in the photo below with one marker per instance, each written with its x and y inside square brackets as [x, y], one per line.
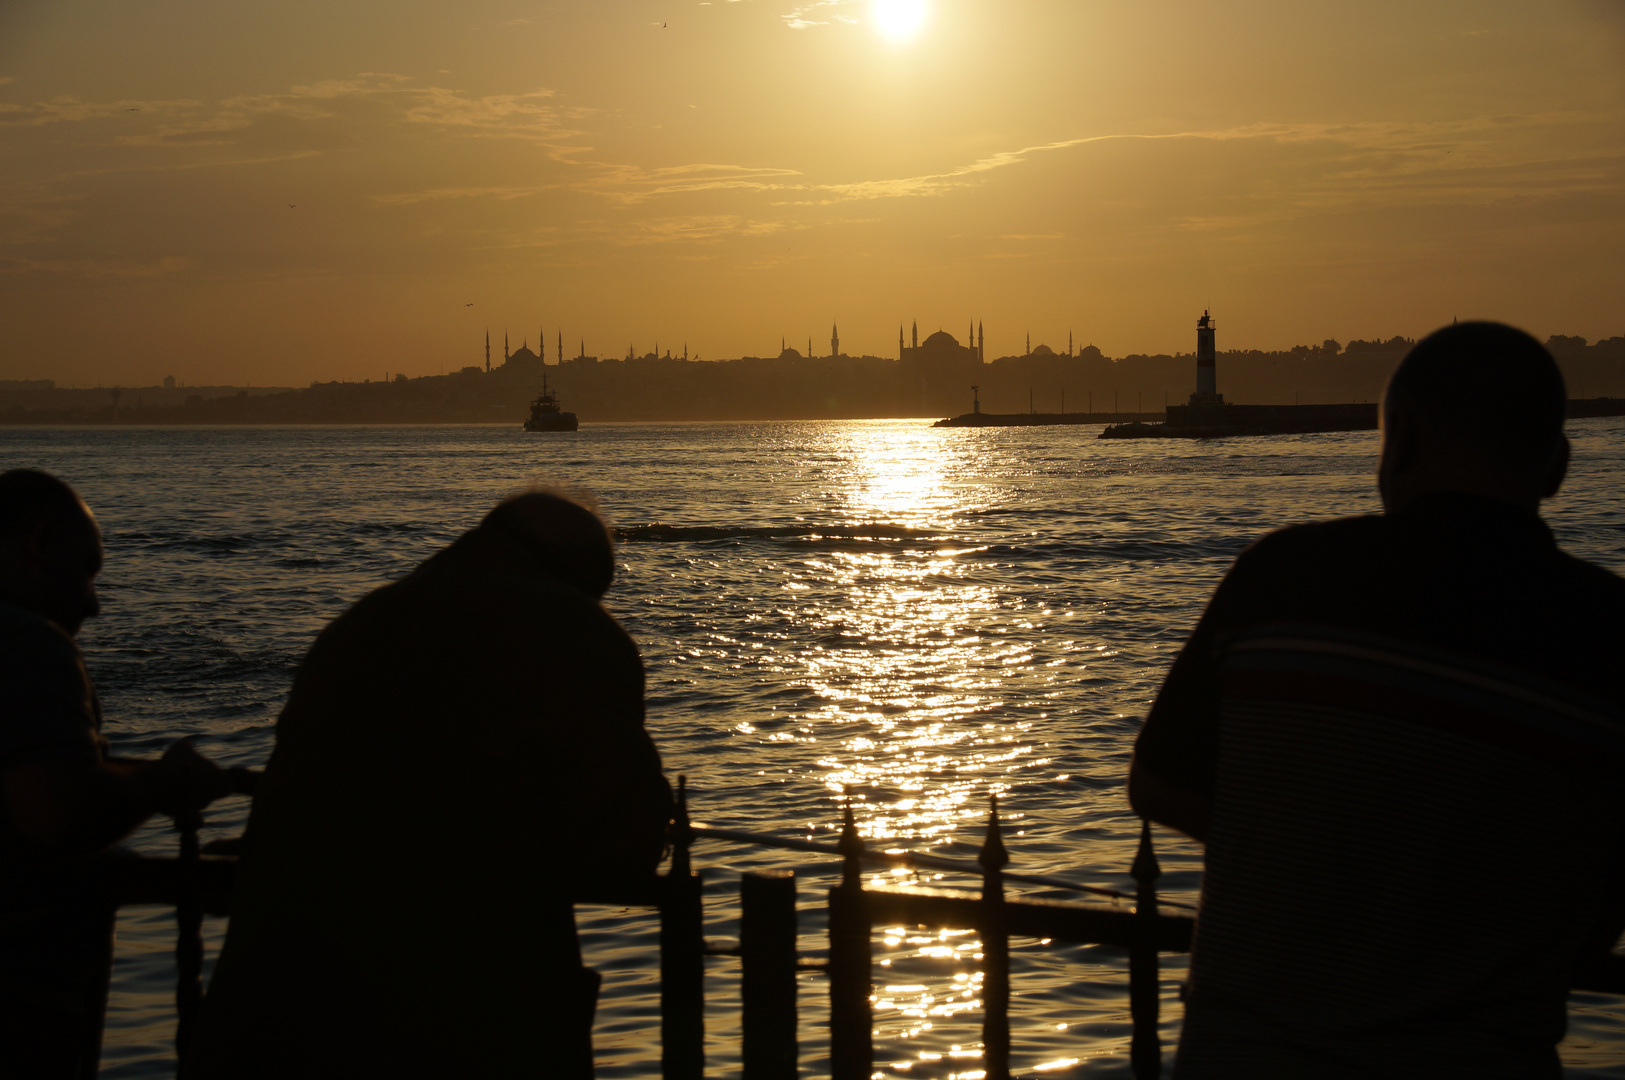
[726, 173]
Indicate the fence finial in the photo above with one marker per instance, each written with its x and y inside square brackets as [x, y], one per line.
[993, 856]
[682, 833]
[851, 844]
[1145, 869]
[995, 950]
[1144, 980]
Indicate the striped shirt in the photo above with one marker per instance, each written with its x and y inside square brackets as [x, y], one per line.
[1411, 730]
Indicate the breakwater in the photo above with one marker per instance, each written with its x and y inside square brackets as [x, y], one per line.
[1213, 421]
[1221, 421]
[1032, 419]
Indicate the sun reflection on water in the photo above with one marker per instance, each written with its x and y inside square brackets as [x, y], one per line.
[906, 681]
[909, 667]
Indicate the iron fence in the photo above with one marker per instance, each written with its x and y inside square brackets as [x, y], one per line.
[197, 884]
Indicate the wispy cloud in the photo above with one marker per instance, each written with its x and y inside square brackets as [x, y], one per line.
[95, 268]
[70, 110]
[819, 13]
[531, 116]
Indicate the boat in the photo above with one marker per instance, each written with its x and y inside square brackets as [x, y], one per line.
[545, 414]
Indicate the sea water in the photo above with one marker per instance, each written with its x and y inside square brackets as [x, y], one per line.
[925, 616]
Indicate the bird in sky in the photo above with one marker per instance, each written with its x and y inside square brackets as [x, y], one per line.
[292, 205]
[469, 304]
[132, 110]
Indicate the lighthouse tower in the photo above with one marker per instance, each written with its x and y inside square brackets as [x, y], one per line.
[1206, 390]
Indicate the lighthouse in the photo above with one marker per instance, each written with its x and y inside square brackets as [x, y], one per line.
[1206, 388]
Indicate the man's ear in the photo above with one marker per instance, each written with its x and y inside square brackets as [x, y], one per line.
[1558, 469]
[1399, 450]
[37, 541]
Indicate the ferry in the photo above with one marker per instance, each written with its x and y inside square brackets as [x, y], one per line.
[545, 414]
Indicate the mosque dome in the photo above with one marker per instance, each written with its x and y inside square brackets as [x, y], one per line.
[941, 338]
[1043, 350]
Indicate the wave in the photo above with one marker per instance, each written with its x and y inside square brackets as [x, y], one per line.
[661, 533]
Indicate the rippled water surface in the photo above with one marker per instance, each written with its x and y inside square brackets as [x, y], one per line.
[928, 616]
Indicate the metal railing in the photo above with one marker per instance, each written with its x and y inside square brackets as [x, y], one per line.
[198, 884]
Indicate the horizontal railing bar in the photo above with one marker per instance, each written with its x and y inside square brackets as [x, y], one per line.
[159, 879]
[915, 858]
[1064, 920]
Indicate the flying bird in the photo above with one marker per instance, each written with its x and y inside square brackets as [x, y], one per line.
[132, 110]
[292, 205]
[469, 304]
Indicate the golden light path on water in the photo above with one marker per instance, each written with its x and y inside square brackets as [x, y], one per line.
[923, 667]
[909, 694]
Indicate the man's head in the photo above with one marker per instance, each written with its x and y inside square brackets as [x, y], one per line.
[562, 531]
[50, 548]
[1476, 407]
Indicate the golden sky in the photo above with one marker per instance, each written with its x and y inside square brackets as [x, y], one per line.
[727, 173]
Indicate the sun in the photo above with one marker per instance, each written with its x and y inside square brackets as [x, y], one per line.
[898, 20]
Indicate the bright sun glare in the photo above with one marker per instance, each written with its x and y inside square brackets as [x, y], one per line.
[898, 20]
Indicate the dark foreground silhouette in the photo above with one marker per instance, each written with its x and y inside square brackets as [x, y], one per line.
[457, 749]
[65, 802]
[1407, 728]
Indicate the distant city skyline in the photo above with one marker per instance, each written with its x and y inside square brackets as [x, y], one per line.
[306, 191]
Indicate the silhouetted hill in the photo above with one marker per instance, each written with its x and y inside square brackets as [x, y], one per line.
[788, 387]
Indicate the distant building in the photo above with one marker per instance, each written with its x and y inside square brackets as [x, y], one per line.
[169, 382]
[524, 355]
[941, 348]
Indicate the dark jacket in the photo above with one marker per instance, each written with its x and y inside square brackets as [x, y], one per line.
[458, 749]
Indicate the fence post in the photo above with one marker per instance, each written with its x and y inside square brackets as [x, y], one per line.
[188, 931]
[851, 1047]
[1145, 1051]
[682, 964]
[767, 976]
[995, 951]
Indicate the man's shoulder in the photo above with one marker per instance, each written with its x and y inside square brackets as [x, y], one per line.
[1314, 543]
[1596, 581]
[476, 608]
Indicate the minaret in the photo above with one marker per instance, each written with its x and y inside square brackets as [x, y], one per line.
[583, 355]
[561, 345]
[809, 347]
[685, 350]
[504, 346]
[488, 351]
[1029, 343]
[899, 341]
[1069, 343]
[834, 339]
[916, 333]
[970, 339]
[981, 345]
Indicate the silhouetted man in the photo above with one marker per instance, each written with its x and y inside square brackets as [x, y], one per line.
[1402, 739]
[460, 751]
[65, 801]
